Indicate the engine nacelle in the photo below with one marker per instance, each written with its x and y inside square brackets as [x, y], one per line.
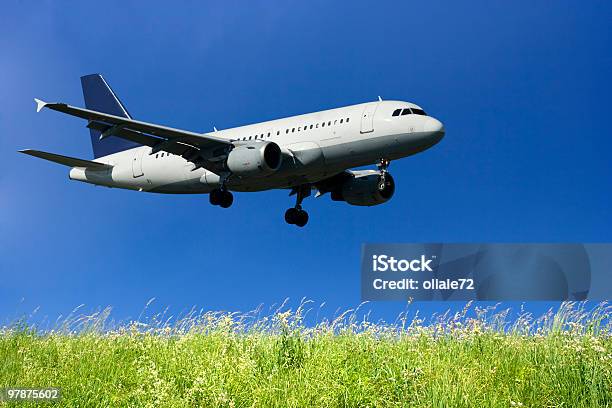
[256, 159]
[365, 188]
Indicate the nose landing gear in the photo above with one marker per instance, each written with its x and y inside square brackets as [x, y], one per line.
[296, 215]
[383, 166]
[221, 197]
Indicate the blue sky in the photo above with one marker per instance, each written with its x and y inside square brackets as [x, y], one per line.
[522, 88]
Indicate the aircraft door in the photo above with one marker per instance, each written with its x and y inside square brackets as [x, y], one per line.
[367, 117]
[137, 163]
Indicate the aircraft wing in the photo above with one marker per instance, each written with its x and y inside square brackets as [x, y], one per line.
[200, 148]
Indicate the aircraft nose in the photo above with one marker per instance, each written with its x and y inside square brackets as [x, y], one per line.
[433, 130]
[433, 125]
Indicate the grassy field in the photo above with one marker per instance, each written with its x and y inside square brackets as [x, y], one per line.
[217, 359]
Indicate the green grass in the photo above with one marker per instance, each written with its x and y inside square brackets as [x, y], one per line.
[216, 359]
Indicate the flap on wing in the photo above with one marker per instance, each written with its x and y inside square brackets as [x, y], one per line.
[66, 161]
[174, 146]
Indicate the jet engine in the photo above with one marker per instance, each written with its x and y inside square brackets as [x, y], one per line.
[365, 188]
[256, 159]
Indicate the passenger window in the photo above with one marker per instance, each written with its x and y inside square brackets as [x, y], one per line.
[157, 156]
[406, 112]
[268, 134]
[341, 120]
[323, 124]
[287, 131]
[335, 121]
[293, 130]
[397, 112]
[317, 126]
[347, 119]
[329, 123]
[277, 132]
[299, 127]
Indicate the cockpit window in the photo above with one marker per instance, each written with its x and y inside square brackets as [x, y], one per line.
[408, 111]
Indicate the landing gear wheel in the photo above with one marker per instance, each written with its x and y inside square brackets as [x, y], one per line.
[296, 216]
[227, 199]
[221, 198]
[302, 218]
[215, 197]
[291, 215]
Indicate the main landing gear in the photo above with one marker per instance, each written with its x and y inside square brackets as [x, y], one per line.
[221, 197]
[296, 215]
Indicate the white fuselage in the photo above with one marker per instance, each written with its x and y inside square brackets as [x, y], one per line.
[315, 146]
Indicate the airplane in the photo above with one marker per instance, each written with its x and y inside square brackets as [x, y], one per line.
[305, 153]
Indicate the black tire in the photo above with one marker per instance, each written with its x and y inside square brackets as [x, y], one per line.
[215, 197]
[302, 218]
[291, 215]
[227, 199]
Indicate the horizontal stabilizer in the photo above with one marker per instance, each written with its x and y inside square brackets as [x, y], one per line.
[66, 161]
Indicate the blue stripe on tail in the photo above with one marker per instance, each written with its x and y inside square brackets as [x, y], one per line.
[100, 97]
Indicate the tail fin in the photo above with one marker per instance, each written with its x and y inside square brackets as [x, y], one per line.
[100, 97]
